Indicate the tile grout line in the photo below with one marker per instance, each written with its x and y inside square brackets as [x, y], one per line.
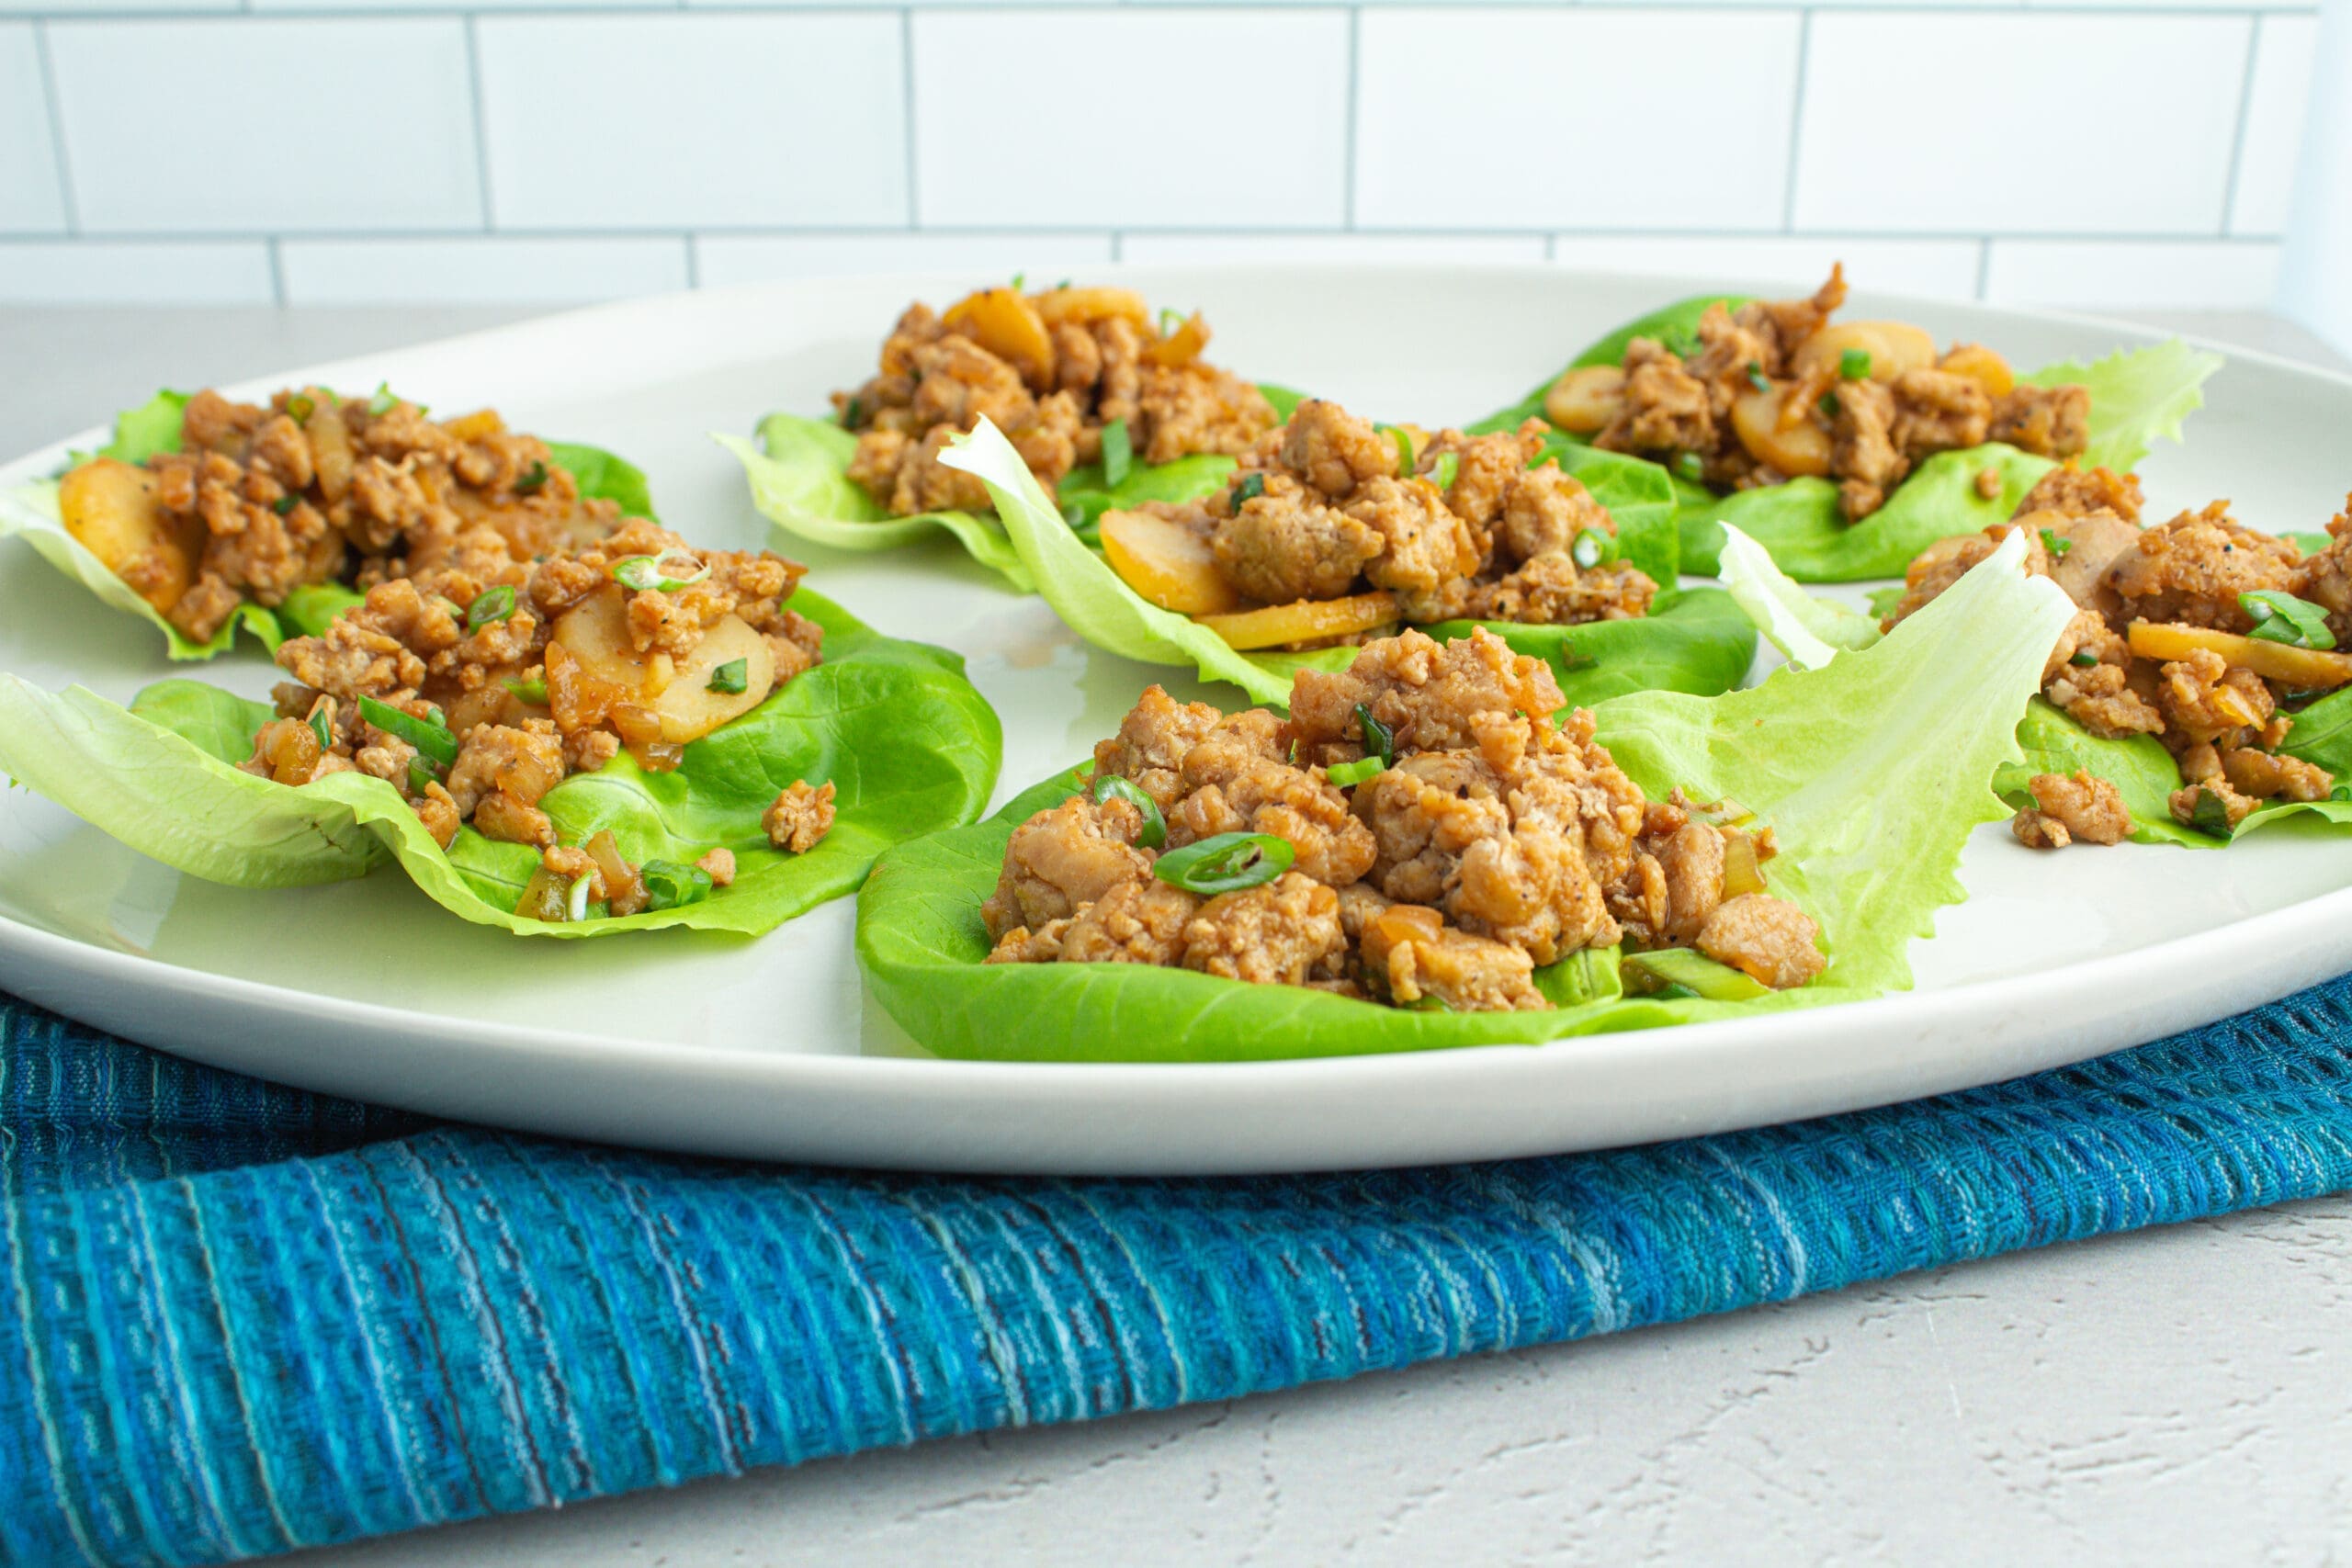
[1983, 266]
[277, 272]
[482, 124]
[2237, 138]
[1355, 93]
[2248, 239]
[693, 259]
[561, 11]
[906, 90]
[1796, 123]
[55, 105]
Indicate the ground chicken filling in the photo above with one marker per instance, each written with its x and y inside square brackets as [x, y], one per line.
[1071, 376]
[1489, 839]
[2200, 632]
[476, 684]
[1773, 391]
[1334, 529]
[262, 500]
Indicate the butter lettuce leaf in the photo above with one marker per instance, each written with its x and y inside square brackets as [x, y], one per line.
[1694, 642]
[1860, 768]
[30, 513]
[909, 745]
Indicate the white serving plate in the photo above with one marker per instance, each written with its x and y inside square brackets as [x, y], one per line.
[770, 1049]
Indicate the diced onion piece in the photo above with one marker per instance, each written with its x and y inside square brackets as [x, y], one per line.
[1893, 347]
[1008, 326]
[620, 877]
[1982, 366]
[1308, 620]
[1795, 447]
[1182, 346]
[2306, 668]
[1166, 563]
[545, 897]
[1743, 871]
[1084, 307]
[110, 507]
[1584, 400]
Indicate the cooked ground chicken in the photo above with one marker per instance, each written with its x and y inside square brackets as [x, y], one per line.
[2219, 700]
[262, 500]
[1403, 526]
[1499, 840]
[1051, 370]
[800, 816]
[1774, 391]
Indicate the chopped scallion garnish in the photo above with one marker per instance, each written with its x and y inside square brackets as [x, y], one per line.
[2341, 792]
[1226, 863]
[383, 403]
[730, 677]
[1756, 378]
[301, 406]
[1445, 472]
[1346, 775]
[1154, 826]
[2280, 617]
[2082, 658]
[532, 481]
[2056, 544]
[1404, 451]
[420, 773]
[1690, 466]
[1828, 405]
[285, 504]
[532, 692]
[1074, 515]
[1118, 452]
[1590, 548]
[322, 727]
[669, 885]
[1429, 1002]
[494, 604]
[1854, 364]
[1252, 486]
[1170, 322]
[1379, 741]
[430, 737]
[664, 573]
[852, 412]
[2212, 814]
[575, 906]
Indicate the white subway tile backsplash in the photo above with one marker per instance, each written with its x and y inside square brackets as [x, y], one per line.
[99, 271]
[1508, 118]
[725, 259]
[2048, 124]
[1131, 117]
[695, 121]
[2107, 275]
[1475, 248]
[30, 201]
[103, 8]
[496, 271]
[349, 124]
[2276, 104]
[1944, 267]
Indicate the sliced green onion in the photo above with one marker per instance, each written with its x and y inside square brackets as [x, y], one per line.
[2082, 658]
[2280, 617]
[532, 480]
[532, 692]
[1676, 993]
[1854, 364]
[1590, 548]
[852, 412]
[322, 727]
[383, 403]
[285, 504]
[494, 604]
[1252, 486]
[1226, 863]
[2210, 815]
[2341, 792]
[2055, 544]
[1830, 405]
[649, 574]
[420, 773]
[430, 737]
[301, 406]
[1379, 741]
[1171, 321]
[1690, 466]
[1346, 775]
[1447, 468]
[1756, 378]
[575, 907]
[1118, 452]
[1154, 826]
[1019, 278]
[1074, 515]
[1404, 451]
[733, 676]
[1683, 967]
[1062, 285]
[669, 885]
[1429, 1002]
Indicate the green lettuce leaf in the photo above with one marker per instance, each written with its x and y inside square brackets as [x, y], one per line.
[30, 513]
[1695, 642]
[1808, 631]
[2138, 397]
[1854, 766]
[909, 745]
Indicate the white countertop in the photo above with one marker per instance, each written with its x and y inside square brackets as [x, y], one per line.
[2176, 1395]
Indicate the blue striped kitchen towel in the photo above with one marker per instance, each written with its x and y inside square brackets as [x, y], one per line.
[236, 1318]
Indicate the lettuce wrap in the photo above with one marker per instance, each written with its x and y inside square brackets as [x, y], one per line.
[799, 471]
[30, 511]
[2138, 397]
[909, 745]
[1694, 641]
[1860, 768]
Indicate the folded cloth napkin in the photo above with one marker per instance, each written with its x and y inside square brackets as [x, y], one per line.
[236, 1318]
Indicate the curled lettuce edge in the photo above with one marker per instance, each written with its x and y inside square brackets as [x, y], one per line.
[908, 743]
[1711, 649]
[1851, 764]
[32, 513]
